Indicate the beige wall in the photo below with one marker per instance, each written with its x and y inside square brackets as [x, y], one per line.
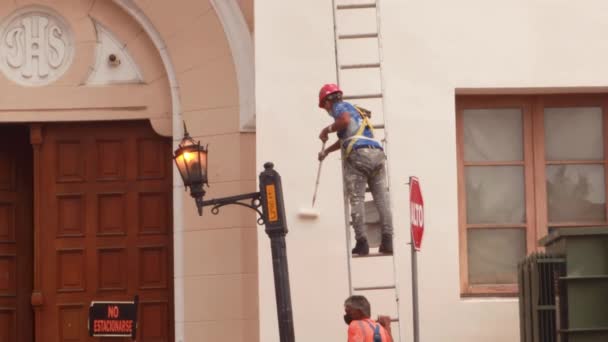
[431, 50]
[68, 98]
[294, 56]
[188, 73]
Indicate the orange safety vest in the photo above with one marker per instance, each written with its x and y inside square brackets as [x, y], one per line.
[363, 331]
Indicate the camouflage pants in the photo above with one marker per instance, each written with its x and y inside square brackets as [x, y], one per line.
[366, 167]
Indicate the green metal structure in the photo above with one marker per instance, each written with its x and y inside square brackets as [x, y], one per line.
[582, 291]
[537, 276]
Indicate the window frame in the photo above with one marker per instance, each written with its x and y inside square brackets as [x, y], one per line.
[542, 102]
[534, 163]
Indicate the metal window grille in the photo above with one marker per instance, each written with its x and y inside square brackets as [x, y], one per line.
[538, 277]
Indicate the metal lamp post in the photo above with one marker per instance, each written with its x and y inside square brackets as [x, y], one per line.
[191, 161]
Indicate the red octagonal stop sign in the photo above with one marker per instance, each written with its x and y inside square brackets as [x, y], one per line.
[416, 212]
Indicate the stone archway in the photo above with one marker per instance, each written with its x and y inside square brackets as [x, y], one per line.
[169, 92]
[56, 67]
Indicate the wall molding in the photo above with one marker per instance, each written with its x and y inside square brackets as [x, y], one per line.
[241, 46]
[177, 132]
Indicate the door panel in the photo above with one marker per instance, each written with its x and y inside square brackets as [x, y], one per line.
[106, 225]
[16, 234]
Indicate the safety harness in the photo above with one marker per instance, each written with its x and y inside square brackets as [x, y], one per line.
[375, 328]
[365, 114]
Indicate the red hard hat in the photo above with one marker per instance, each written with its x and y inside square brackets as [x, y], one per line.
[327, 90]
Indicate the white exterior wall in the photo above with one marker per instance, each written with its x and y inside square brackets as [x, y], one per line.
[431, 48]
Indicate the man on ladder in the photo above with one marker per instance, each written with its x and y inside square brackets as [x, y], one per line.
[364, 165]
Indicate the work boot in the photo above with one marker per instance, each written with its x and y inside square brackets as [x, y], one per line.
[386, 246]
[361, 248]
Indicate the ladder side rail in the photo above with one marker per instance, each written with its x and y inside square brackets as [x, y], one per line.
[386, 118]
[348, 233]
[344, 189]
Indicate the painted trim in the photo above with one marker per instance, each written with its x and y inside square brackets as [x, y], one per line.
[138, 15]
[241, 46]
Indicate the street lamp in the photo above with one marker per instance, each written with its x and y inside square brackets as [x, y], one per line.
[191, 161]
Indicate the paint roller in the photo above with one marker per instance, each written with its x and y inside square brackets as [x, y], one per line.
[312, 213]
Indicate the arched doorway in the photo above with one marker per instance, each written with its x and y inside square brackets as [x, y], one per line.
[85, 181]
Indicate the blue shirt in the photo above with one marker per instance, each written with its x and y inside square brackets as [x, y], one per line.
[354, 124]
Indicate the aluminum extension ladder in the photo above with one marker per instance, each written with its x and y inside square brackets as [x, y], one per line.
[358, 52]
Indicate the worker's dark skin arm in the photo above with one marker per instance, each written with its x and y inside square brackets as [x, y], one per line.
[334, 147]
[339, 124]
[385, 321]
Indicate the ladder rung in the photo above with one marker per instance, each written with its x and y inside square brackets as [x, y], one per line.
[358, 35]
[360, 66]
[372, 255]
[356, 6]
[362, 96]
[378, 126]
[372, 288]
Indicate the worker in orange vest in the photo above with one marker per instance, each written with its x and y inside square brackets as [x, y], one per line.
[361, 328]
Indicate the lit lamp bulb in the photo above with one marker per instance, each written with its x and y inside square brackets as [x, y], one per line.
[188, 156]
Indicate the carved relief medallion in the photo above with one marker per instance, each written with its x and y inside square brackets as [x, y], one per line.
[36, 46]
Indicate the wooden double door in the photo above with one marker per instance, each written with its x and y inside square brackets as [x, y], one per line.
[85, 214]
